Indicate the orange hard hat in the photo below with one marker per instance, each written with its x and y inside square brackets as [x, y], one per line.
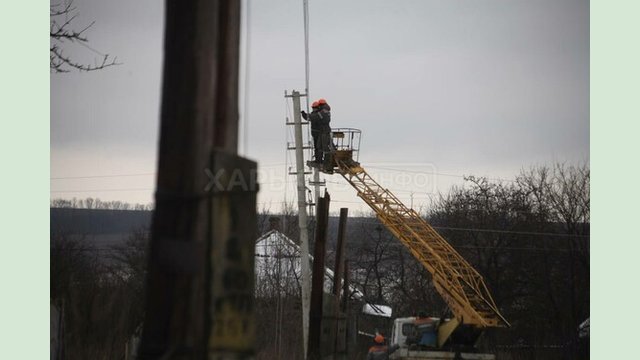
[315, 104]
[322, 101]
[379, 339]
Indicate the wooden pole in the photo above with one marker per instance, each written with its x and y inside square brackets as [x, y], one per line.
[205, 194]
[344, 307]
[337, 282]
[317, 284]
[345, 289]
[337, 269]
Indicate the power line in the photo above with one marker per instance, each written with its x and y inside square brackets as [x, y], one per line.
[475, 247]
[430, 195]
[348, 202]
[90, 48]
[416, 192]
[372, 221]
[128, 247]
[101, 190]
[433, 173]
[533, 233]
[515, 248]
[132, 174]
[100, 176]
[150, 189]
[273, 165]
[511, 232]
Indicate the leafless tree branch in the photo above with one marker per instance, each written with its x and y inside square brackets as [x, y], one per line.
[62, 17]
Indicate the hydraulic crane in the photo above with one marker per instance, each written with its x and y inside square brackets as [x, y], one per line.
[459, 284]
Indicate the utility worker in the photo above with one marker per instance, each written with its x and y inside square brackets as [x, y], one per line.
[315, 118]
[380, 351]
[324, 105]
[326, 142]
[424, 330]
[320, 119]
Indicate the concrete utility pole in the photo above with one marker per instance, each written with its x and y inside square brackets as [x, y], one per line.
[302, 218]
[200, 271]
[316, 184]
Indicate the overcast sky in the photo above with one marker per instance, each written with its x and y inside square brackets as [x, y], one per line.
[447, 87]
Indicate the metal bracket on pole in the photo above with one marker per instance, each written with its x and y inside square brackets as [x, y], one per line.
[297, 94]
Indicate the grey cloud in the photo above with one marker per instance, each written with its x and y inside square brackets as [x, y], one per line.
[465, 85]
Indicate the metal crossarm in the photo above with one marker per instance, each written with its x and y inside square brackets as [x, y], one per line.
[459, 284]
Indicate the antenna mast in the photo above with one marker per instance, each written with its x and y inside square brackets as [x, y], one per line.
[316, 174]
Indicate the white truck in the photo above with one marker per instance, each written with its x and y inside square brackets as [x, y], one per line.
[404, 327]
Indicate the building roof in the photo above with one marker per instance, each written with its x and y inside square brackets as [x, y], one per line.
[276, 245]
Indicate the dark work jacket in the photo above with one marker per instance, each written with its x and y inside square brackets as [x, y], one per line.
[320, 121]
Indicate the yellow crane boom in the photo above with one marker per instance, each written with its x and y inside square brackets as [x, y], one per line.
[459, 284]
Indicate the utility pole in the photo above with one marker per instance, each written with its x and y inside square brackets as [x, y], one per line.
[199, 287]
[344, 307]
[302, 218]
[339, 264]
[346, 293]
[316, 173]
[316, 184]
[338, 352]
[315, 317]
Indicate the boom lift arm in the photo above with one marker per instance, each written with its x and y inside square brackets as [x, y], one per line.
[459, 284]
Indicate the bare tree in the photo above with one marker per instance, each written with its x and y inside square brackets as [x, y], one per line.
[102, 293]
[562, 193]
[61, 31]
[95, 203]
[530, 240]
[277, 291]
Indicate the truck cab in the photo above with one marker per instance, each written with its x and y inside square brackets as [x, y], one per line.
[403, 329]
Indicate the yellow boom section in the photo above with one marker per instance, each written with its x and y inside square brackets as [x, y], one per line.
[459, 284]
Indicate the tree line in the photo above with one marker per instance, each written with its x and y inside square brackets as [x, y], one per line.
[96, 203]
[529, 239]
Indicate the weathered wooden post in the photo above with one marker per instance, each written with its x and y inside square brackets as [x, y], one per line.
[200, 271]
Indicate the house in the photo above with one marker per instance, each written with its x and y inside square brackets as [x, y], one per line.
[278, 257]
